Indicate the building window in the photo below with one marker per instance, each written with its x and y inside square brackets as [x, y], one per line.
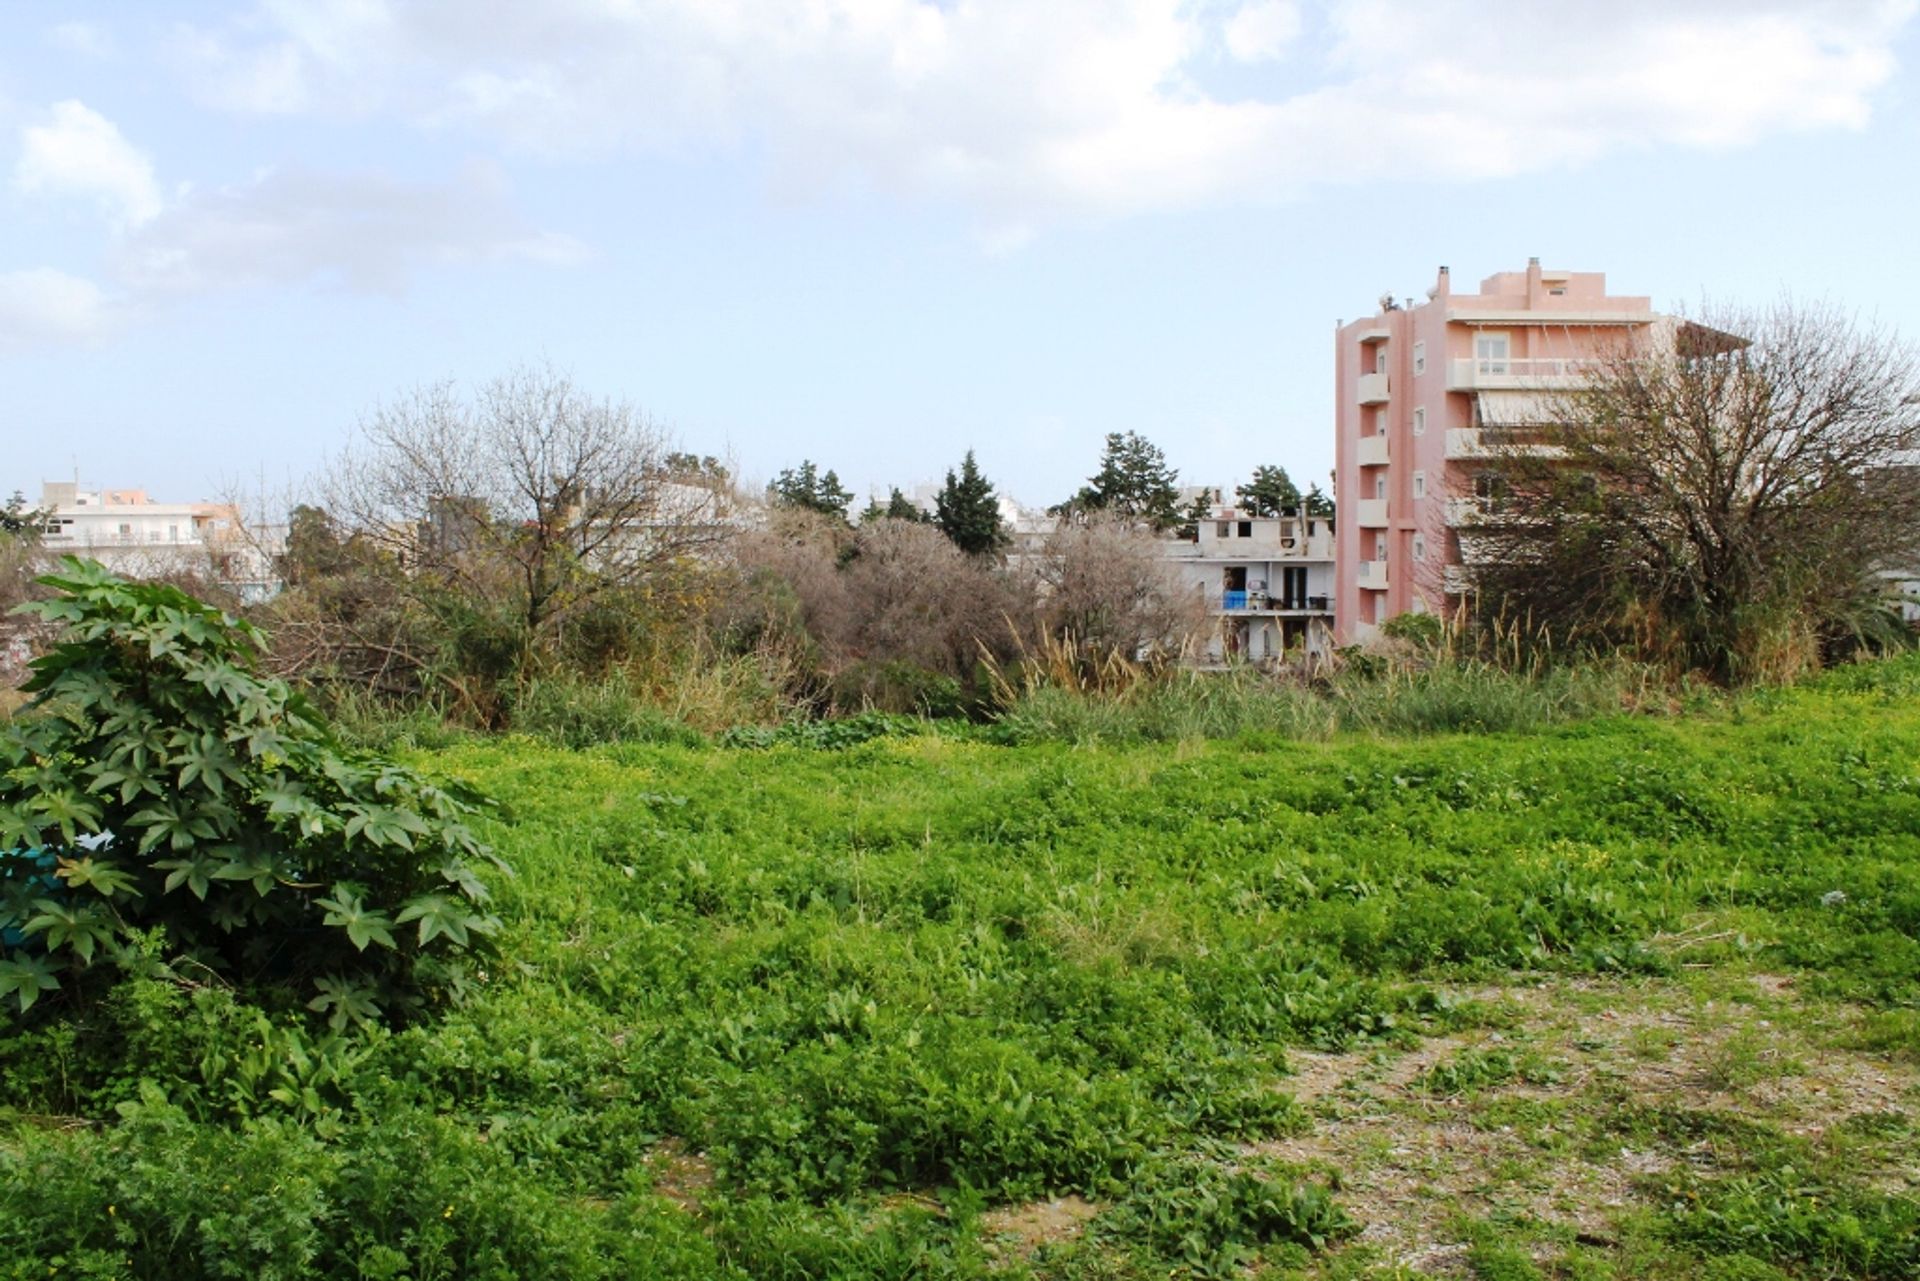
[1419, 359]
[1491, 351]
[1380, 359]
[1419, 420]
[1246, 529]
[1221, 530]
[1419, 547]
[1379, 486]
[1419, 484]
[1380, 423]
[1379, 546]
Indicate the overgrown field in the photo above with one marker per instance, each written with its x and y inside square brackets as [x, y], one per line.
[1626, 998]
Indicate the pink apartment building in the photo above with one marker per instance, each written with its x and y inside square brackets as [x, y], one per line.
[1421, 393]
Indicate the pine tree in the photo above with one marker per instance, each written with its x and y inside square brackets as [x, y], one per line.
[1134, 481]
[805, 487]
[968, 513]
[1270, 492]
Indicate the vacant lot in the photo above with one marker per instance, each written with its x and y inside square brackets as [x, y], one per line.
[1633, 998]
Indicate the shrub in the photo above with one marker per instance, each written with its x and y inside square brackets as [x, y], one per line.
[162, 785]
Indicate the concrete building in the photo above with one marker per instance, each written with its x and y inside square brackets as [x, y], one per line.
[1424, 393]
[129, 533]
[1266, 581]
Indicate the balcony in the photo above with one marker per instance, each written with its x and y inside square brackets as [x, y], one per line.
[1373, 389]
[1379, 333]
[1266, 603]
[1474, 442]
[1373, 513]
[1467, 511]
[1471, 374]
[1373, 575]
[1373, 451]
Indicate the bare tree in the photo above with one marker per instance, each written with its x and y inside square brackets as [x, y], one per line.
[1107, 585]
[1727, 494]
[529, 493]
[918, 598]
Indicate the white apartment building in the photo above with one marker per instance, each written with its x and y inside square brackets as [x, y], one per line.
[1266, 581]
[133, 535]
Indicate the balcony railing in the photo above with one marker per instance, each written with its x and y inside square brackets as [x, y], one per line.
[1238, 602]
[1373, 451]
[1373, 513]
[1494, 442]
[1373, 389]
[1373, 574]
[1489, 373]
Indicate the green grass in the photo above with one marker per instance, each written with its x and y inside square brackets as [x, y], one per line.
[883, 988]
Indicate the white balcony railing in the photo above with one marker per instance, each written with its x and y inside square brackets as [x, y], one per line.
[1472, 374]
[1373, 451]
[1473, 442]
[1373, 575]
[1373, 513]
[1373, 389]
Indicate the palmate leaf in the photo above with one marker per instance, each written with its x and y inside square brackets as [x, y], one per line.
[207, 759]
[18, 830]
[24, 978]
[346, 910]
[132, 779]
[69, 809]
[88, 688]
[343, 1001]
[385, 825]
[101, 875]
[455, 872]
[223, 680]
[262, 868]
[165, 821]
[62, 925]
[440, 916]
[196, 873]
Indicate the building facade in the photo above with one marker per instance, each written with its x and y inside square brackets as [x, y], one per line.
[1265, 581]
[129, 533]
[1425, 397]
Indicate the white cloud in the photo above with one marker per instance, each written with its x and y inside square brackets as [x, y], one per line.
[42, 305]
[1030, 111]
[79, 152]
[362, 232]
[367, 233]
[1263, 30]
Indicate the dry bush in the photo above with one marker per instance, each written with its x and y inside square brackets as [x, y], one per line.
[1106, 585]
[868, 617]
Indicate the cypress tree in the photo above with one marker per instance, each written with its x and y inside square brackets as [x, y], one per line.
[968, 513]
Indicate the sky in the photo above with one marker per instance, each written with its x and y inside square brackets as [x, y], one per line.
[879, 233]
